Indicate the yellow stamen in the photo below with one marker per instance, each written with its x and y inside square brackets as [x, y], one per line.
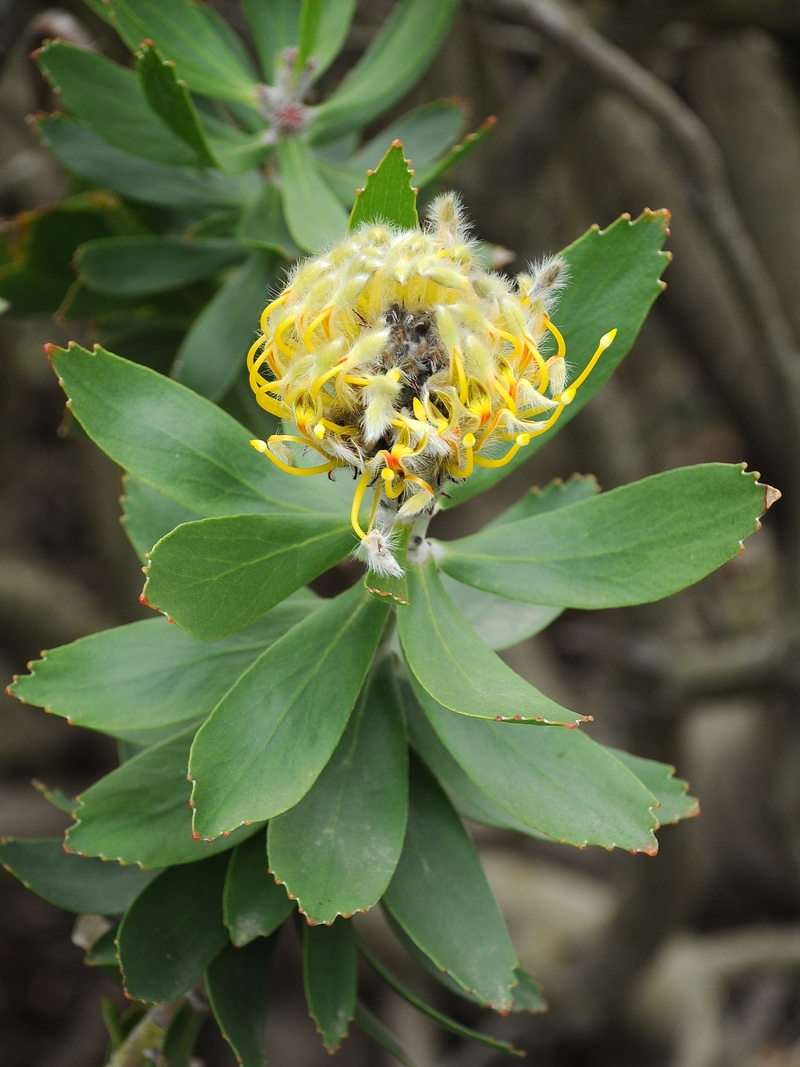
[358, 497]
[279, 341]
[522, 439]
[554, 330]
[265, 314]
[605, 341]
[264, 449]
[466, 470]
[462, 378]
[318, 321]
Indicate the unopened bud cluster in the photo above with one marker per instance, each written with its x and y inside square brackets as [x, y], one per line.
[397, 355]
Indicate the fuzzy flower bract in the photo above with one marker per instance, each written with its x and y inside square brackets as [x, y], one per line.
[395, 354]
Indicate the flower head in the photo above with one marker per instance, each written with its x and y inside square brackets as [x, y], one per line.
[397, 355]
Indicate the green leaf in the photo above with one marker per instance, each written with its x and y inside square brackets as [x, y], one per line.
[374, 1028]
[426, 133]
[140, 812]
[314, 216]
[134, 681]
[135, 266]
[263, 226]
[498, 621]
[336, 850]
[633, 545]
[275, 25]
[108, 99]
[72, 882]
[452, 663]
[527, 993]
[440, 897]
[179, 1039]
[457, 153]
[330, 979]
[176, 441]
[54, 796]
[310, 13]
[36, 274]
[441, 1020]
[559, 782]
[391, 65]
[149, 515]
[613, 280]
[464, 795]
[270, 737]
[556, 494]
[151, 183]
[237, 983]
[212, 353]
[253, 904]
[217, 575]
[501, 622]
[334, 25]
[173, 930]
[103, 951]
[170, 100]
[388, 196]
[187, 34]
[672, 793]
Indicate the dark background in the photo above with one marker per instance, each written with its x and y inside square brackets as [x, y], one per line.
[691, 959]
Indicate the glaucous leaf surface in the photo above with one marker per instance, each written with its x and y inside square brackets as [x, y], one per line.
[672, 793]
[176, 441]
[140, 812]
[148, 515]
[556, 494]
[173, 930]
[336, 850]
[269, 738]
[137, 266]
[275, 25]
[132, 681]
[426, 133]
[263, 226]
[108, 99]
[633, 545]
[498, 621]
[451, 662]
[237, 983]
[559, 782]
[440, 898]
[388, 195]
[205, 52]
[329, 977]
[253, 904]
[217, 575]
[464, 795]
[614, 279]
[143, 181]
[75, 883]
[169, 98]
[211, 354]
[402, 50]
[314, 215]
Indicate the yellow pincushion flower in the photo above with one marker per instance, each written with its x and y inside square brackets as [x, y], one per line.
[397, 355]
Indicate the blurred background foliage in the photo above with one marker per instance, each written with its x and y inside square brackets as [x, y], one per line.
[691, 959]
